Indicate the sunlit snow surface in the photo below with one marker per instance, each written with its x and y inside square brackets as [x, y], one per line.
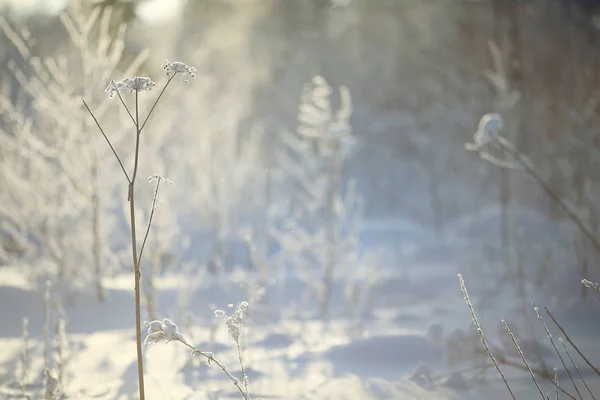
[397, 350]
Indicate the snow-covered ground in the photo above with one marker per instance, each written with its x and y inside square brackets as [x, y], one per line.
[414, 342]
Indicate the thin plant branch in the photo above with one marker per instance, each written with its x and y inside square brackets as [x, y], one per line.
[153, 209]
[576, 368]
[526, 164]
[463, 287]
[563, 391]
[514, 340]
[107, 141]
[124, 105]
[549, 334]
[211, 358]
[155, 103]
[244, 376]
[571, 342]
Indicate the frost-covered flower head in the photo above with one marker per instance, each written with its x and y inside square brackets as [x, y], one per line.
[176, 67]
[162, 331]
[233, 322]
[489, 128]
[135, 84]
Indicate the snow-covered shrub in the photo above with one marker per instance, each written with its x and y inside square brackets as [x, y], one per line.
[56, 198]
[318, 235]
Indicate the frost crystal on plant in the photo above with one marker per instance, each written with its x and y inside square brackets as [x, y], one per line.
[135, 84]
[233, 322]
[156, 177]
[589, 284]
[162, 331]
[489, 127]
[176, 67]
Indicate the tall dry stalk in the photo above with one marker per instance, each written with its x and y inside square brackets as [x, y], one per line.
[137, 85]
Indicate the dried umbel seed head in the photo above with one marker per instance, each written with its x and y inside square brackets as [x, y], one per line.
[176, 67]
[135, 84]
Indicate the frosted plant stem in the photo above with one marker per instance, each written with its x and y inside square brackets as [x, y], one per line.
[549, 334]
[537, 385]
[571, 342]
[211, 358]
[145, 84]
[152, 210]
[136, 265]
[463, 287]
[576, 368]
[526, 164]
[244, 376]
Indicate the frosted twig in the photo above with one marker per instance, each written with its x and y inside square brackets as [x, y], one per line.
[571, 342]
[524, 359]
[242, 366]
[576, 368]
[136, 85]
[549, 334]
[528, 166]
[158, 179]
[210, 357]
[463, 287]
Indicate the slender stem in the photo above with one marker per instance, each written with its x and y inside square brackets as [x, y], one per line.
[537, 312]
[244, 376]
[137, 139]
[463, 287]
[107, 141]
[515, 365]
[136, 264]
[514, 340]
[138, 327]
[577, 369]
[154, 199]
[548, 190]
[571, 342]
[563, 391]
[155, 103]
[210, 357]
[125, 105]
